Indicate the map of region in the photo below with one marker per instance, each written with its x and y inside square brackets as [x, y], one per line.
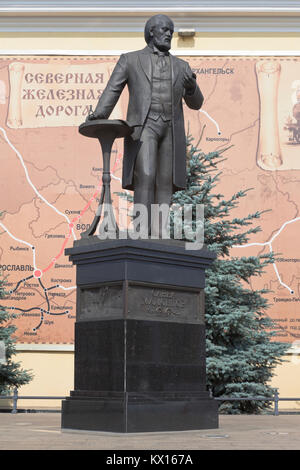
[51, 175]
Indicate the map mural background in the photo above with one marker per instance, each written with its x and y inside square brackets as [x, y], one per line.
[50, 174]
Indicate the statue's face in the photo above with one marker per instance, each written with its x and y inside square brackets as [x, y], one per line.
[162, 33]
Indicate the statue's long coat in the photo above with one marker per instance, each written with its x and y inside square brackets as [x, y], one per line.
[134, 69]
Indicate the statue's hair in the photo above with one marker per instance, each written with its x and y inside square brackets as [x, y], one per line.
[151, 23]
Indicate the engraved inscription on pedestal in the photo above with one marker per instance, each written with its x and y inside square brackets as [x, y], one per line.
[165, 304]
[99, 303]
[144, 302]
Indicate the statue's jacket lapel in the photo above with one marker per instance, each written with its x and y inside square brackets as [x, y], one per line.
[145, 63]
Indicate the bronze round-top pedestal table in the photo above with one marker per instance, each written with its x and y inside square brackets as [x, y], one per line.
[106, 131]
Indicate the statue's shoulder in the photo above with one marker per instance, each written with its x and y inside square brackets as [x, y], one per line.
[133, 54]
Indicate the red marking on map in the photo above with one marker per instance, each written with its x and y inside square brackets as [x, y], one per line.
[73, 221]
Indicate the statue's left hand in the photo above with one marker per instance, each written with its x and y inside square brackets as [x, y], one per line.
[189, 82]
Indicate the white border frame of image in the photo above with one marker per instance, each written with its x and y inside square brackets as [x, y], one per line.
[294, 350]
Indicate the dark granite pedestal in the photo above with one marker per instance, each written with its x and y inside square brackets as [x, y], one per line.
[139, 338]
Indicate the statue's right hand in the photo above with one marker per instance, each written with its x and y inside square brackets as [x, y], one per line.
[94, 115]
[90, 117]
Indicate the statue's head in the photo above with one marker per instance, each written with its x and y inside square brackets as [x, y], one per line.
[159, 30]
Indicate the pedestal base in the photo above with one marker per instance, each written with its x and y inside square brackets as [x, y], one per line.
[132, 412]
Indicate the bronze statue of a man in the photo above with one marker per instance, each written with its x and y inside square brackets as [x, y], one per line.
[154, 164]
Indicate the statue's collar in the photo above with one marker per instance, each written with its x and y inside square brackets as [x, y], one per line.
[153, 50]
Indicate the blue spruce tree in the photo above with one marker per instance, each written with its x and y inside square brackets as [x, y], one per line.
[11, 373]
[241, 350]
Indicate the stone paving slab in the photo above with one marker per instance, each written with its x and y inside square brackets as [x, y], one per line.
[41, 431]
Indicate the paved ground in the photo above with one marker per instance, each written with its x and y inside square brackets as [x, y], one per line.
[33, 431]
